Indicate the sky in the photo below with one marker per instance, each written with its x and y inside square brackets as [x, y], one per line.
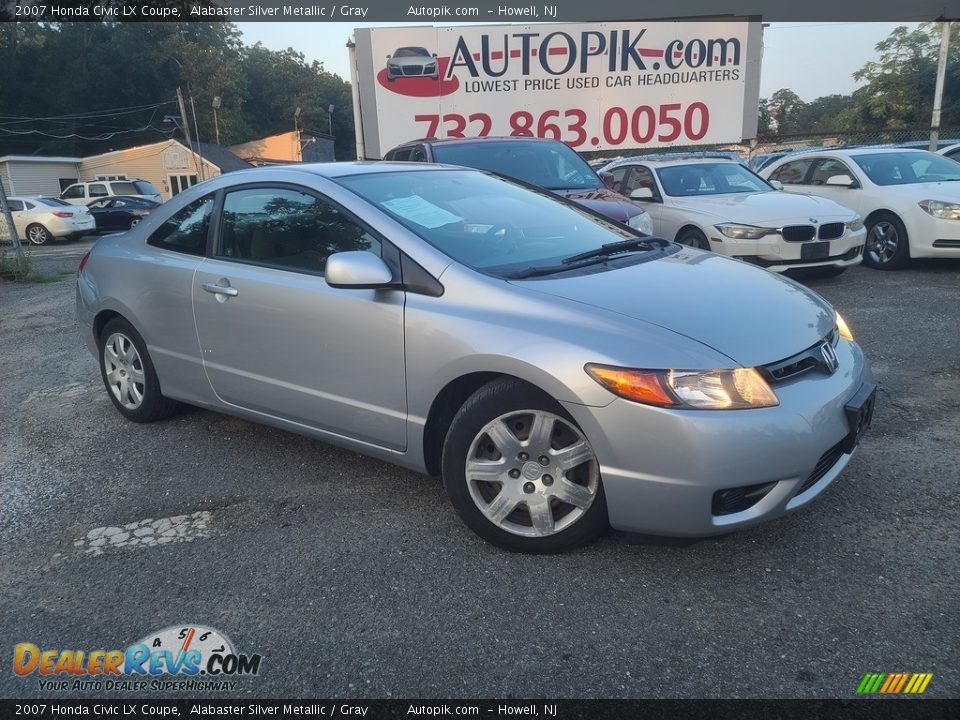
[812, 59]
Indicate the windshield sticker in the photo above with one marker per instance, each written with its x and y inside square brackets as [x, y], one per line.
[420, 211]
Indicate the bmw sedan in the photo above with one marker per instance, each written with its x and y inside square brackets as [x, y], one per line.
[535, 355]
[722, 206]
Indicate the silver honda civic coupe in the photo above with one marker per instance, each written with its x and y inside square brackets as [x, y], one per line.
[561, 372]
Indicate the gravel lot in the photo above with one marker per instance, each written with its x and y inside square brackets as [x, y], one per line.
[355, 579]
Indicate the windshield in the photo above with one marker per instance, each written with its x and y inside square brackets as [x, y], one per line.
[709, 179]
[145, 188]
[411, 52]
[907, 168]
[549, 165]
[485, 222]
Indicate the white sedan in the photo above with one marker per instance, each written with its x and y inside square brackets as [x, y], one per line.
[909, 199]
[722, 206]
[40, 220]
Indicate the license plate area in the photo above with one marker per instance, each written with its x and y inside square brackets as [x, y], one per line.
[815, 251]
[859, 413]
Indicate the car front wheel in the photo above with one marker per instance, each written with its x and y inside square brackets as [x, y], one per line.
[521, 473]
[887, 246]
[129, 376]
[693, 238]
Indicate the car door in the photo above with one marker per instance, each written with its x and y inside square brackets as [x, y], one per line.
[641, 176]
[100, 210]
[277, 340]
[793, 175]
[824, 168]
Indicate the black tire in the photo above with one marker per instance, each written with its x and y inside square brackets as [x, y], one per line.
[497, 398]
[153, 406]
[900, 256]
[37, 234]
[693, 238]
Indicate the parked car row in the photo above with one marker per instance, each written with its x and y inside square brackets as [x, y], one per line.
[40, 220]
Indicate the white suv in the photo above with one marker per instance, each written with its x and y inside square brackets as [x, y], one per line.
[721, 205]
[82, 193]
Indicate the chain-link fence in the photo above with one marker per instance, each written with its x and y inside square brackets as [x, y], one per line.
[754, 152]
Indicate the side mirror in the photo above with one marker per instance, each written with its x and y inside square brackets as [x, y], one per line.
[434, 54]
[608, 179]
[775, 184]
[357, 269]
[642, 193]
[840, 181]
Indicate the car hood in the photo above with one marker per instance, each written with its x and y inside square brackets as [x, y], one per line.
[946, 191]
[604, 201]
[765, 207]
[752, 316]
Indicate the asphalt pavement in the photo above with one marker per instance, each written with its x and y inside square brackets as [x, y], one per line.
[353, 578]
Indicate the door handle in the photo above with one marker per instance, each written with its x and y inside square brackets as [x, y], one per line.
[220, 289]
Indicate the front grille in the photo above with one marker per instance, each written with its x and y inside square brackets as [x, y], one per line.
[831, 231]
[802, 362]
[798, 233]
[408, 70]
[824, 465]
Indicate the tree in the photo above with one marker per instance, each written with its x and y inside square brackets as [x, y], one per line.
[899, 85]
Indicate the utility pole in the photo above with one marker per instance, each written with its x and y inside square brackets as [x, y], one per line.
[216, 122]
[186, 126]
[196, 130]
[14, 238]
[938, 93]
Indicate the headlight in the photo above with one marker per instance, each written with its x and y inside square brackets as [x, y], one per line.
[843, 328]
[940, 209]
[855, 224]
[743, 232]
[697, 389]
[641, 222]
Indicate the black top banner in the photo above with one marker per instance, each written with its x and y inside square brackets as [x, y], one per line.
[473, 11]
[333, 709]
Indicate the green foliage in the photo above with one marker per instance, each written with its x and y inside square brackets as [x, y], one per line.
[72, 68]
[897, 91]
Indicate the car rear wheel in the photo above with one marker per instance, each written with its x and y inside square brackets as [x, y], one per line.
[129, 376]
[887, 246]
[521, 473]
[693, 238]
[38, 235]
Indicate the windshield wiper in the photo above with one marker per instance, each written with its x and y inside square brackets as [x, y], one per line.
[583, 259]
[615, 248]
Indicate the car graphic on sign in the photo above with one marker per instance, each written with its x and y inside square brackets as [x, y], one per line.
[411, 62]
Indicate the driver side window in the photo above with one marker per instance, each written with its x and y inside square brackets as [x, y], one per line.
[187, 230]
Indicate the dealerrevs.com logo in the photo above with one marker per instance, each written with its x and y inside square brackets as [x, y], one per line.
[180, 657]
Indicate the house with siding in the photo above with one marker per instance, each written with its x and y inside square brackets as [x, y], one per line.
[28, 175]
[296, 146]
[170, 165]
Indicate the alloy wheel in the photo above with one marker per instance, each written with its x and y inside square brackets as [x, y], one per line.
[124, 370]
[532, 473]
[882, 242]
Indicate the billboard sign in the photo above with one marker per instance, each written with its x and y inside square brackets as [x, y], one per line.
[595, 86]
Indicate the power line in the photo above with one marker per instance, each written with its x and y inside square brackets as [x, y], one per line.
[92, 115]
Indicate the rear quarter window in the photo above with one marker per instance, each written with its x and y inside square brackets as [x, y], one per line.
[186, 231]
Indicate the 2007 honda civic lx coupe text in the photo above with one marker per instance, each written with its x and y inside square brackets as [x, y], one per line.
[560, 371]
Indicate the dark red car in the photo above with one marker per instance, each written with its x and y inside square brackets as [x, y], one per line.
[548, 164]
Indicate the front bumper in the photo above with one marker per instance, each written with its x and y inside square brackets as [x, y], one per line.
[776, 254]
[661, 468]
[933, 237]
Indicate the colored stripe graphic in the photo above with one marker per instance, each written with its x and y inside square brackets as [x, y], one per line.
[894, 683]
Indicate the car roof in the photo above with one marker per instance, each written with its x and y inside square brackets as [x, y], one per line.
[672, 162]
[346, 169]
[469, 140]
[854, 150]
